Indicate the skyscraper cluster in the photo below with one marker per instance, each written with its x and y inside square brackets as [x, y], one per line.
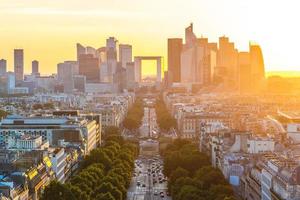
[199, 62]
[103, 68]
[15, 82]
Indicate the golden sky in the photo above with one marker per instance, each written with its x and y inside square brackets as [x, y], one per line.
[48, 30]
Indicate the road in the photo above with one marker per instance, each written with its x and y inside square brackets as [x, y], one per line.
[149, 126]
[148, 182]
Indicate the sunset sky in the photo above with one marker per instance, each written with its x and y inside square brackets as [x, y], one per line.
[48, 30]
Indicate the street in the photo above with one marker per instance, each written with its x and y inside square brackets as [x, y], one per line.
[148, 181]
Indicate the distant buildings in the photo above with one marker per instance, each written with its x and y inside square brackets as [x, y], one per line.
[198, 64]
[3, 67]
[125, 54]
[89, 67]
[174, 59]
[35, 67]
[19, 64]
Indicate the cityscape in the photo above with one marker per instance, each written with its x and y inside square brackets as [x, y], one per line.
[205, 120]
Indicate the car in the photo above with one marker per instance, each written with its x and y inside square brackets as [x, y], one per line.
[144, 185]
[162, 195]
[138, 183]
[155, 193]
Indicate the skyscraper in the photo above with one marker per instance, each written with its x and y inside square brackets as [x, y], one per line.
[35, 67]
[125, 54]
[89, 67]
[227, 58]
[65, 76]
[191, 56]
[3, 66]
[80, 50]
[244, 63]
[174, 59]
[257, 67]
[111, 54]
[19, 64]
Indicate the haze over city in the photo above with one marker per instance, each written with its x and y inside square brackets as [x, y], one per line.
[149, 100]
[49, 30]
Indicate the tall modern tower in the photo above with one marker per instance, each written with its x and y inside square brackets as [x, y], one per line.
[257, 67]
[227, 62]
[111, 54]
[174, 59]
[191, 57]
[125, 54]
[3, 66]
[80, 50]
[35, 67]
[66, 76]
[89, 67]
[19, 64]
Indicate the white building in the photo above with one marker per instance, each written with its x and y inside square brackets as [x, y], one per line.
[58, 160]
[260, 145]
[72, 131]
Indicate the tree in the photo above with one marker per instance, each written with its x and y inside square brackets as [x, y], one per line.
[220, 192]
[57, 191]
[178, 173]
[188, 192]
[105, 196]
[209, 176]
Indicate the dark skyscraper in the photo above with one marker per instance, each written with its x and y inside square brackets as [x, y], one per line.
[19, 64]
[35, 67]
[89, 67]
[3, 66]
[174, 54]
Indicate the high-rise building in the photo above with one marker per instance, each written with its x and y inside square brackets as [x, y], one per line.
[257, 67]
[111, 54]
[3, 66]
[208, 61]
[244, 63]
[130, 75]
[79, 83]
[174, 59]
[227, 58]
[91, 50]
[65, 76]
[35, 67]
[191, 56]
[80, 50]
[125, 54]
[89, 67]
[19, 64]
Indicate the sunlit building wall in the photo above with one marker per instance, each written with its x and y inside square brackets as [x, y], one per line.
[227, 61]
[174, 59]
[257, 68]
[191, 55]
[244, 62]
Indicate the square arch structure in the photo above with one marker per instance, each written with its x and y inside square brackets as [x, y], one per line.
[138, 67]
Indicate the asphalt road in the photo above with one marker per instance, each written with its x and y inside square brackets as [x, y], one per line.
[145, 184]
